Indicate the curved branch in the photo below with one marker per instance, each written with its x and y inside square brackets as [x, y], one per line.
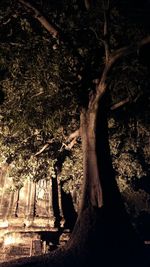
[73, 135]
[42, 149]
[114, 57]
[71, 141]
[71, 144]
[101, 87]
[38, 15]
[127, 50]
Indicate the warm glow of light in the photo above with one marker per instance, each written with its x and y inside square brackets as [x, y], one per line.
[9, 240]
[41, 194]
[12, 239]
[3, 224]
[27, 223]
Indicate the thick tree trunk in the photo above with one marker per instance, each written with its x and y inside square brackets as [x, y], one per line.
[92, 191]
[103, 232]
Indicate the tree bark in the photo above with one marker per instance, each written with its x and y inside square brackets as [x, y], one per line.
[103, 232]
[92, 191]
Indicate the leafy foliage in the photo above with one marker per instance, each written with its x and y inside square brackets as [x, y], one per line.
[44, 83]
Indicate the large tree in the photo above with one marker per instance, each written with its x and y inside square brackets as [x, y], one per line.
[102, 234]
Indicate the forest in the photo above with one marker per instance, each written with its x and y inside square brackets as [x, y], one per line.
[74, 104]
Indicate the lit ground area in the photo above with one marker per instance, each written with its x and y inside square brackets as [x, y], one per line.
[17, 244]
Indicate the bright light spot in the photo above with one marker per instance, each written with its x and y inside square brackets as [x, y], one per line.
[41, 194]
[3, 224]
[12, 239]
[9, 240]
[27, 223]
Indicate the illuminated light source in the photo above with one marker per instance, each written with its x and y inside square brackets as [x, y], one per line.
[3, 224]
[27, 223]
[41, 194]
[12, 238]
[9, 240]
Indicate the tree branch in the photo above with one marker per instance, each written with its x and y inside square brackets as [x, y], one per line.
[73, 135]
[71, 144]
[114, 57]
[38, 94]
[71, 141]
[127, 50]
[120, 104]
[38, 15]
[106, 5]
[42, 149]
[120, 53]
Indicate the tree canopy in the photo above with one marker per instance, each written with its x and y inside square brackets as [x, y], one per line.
[52, 55]
[46, 80]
